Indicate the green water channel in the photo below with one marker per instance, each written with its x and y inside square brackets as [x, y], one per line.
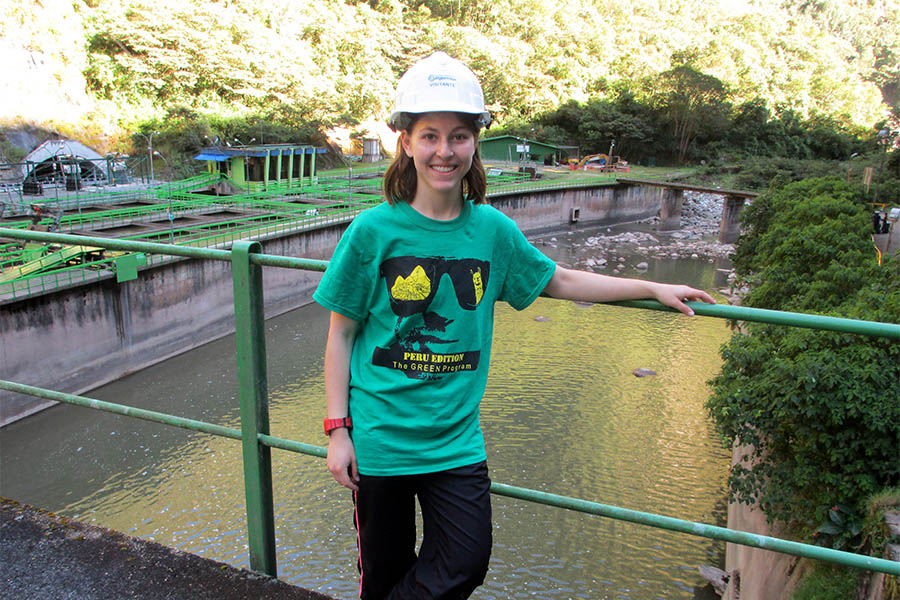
[562, 413]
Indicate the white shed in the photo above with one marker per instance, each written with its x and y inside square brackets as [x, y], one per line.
[53, 157]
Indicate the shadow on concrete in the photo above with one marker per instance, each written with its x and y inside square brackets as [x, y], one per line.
[50, 557]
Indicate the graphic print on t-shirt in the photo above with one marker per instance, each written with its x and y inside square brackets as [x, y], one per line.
[412, 284]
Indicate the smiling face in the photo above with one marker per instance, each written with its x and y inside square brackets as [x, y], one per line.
[441, 146]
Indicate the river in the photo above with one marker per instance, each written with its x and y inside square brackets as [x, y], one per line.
[563, 413]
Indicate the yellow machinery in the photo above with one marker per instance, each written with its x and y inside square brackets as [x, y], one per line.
[603, 162]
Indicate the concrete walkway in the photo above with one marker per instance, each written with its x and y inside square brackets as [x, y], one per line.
[889, 243]
[49, 557]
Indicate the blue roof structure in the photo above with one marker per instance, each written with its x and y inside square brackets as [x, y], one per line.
[211, 156]
[219, 153]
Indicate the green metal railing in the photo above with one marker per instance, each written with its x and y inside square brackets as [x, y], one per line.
[247, 262]
[210, 235]
[157, 212]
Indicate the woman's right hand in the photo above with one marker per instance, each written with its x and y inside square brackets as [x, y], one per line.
[342, 459]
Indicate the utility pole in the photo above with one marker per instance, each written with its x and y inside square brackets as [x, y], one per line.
[150, 150]
[883, 141]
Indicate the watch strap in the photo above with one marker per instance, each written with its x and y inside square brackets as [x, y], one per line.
[332, 424]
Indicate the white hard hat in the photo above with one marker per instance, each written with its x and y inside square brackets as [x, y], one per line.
[438, 83]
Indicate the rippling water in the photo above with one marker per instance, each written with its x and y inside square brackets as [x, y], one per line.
[562, 413]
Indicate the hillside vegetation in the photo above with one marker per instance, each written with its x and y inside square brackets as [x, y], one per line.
[99, 69]
[815, 413]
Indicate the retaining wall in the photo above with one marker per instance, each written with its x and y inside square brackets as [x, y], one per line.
[75, 339]
[549, 210]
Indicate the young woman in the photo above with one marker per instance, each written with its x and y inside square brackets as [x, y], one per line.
[411, 287]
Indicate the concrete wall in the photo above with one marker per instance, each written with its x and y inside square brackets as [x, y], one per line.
[73, 340]
[549, 210]
[76, 339]
[756, 573]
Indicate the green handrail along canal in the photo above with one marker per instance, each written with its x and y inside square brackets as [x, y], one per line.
[184, 212]
[43, 267]
[247, 264]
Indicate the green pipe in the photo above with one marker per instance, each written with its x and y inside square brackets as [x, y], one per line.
[777, 317]
[743, 538]
[114, 244]
[585, 506]
[288, 262]
[128, 411]
[269, 260]
[292, 446]
[724, 311]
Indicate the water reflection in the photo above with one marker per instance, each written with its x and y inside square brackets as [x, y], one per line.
[562, 413]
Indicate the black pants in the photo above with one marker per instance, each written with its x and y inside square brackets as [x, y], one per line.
[456, 542]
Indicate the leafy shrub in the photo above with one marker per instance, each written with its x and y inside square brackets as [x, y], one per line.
[818, 408]
[760, 172]
[841, 528]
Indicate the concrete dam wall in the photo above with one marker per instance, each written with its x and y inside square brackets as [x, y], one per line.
[543, 211]
[78, 338]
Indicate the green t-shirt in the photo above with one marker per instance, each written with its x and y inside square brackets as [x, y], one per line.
[423, 291]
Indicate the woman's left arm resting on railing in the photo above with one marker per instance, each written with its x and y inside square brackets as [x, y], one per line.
[584, 286]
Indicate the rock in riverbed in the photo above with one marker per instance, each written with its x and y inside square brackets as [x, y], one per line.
[643, 372]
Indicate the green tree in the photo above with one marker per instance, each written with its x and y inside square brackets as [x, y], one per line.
[694, 104]
[754, 131]
[819, 228]
[817, 409]
[593, 126]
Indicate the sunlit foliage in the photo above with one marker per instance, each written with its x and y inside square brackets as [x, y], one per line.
[118, 62]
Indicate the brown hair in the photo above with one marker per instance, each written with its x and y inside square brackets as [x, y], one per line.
[400, 178]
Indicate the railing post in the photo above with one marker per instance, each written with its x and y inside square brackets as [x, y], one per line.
[250, 340]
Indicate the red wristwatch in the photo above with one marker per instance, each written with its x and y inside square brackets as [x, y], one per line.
[332, 424]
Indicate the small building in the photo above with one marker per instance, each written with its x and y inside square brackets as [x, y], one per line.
[256, 168]
[58, 162]
[371, 150]
[515, 149]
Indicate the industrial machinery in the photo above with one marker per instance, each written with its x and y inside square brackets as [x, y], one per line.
[601, 162]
